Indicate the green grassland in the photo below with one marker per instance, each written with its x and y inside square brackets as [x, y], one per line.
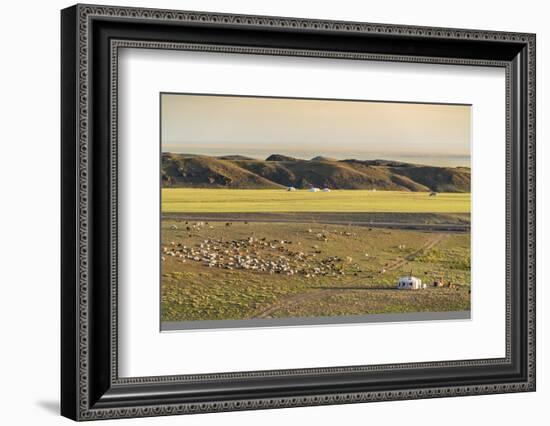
[362, 279]
[278, 200]
[330, 267]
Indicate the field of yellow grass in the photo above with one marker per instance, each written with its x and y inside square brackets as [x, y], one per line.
[179, 200]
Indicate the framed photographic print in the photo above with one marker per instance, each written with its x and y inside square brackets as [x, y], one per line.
[263, 212]
[278, 198]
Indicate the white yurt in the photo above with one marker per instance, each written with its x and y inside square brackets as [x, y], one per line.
[326, 189]
[291, 188]
[313, 189]
[409, 283]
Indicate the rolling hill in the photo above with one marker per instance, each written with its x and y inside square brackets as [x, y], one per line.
[278, 171]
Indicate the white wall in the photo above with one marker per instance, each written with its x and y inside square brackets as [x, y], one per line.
[29, 225]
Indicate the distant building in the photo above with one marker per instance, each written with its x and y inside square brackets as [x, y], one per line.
[291, 188]
[314, 189]
[326, 189]
[410, 283]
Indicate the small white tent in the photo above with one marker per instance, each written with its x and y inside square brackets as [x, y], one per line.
[291, 188]
[326, 189]
[409, 283]
[313, 189]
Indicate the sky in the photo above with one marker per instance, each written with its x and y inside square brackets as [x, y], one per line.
[432, 134]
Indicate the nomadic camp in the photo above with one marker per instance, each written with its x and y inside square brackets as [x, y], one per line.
[410, 283]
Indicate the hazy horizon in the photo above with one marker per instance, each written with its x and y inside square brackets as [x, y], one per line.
[430, 134]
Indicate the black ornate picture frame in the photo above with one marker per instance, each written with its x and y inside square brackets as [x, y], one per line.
[91, 387]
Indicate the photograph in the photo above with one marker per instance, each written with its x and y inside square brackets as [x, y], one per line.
[267, 209]
[293, 211]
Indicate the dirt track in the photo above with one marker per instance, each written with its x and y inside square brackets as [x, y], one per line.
[438, 227]
[410, 257]
[317, 294]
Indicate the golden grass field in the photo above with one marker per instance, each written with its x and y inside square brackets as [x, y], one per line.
[242, 261]
[188, 200]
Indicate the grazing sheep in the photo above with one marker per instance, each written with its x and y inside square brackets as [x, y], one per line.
[438, 282]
